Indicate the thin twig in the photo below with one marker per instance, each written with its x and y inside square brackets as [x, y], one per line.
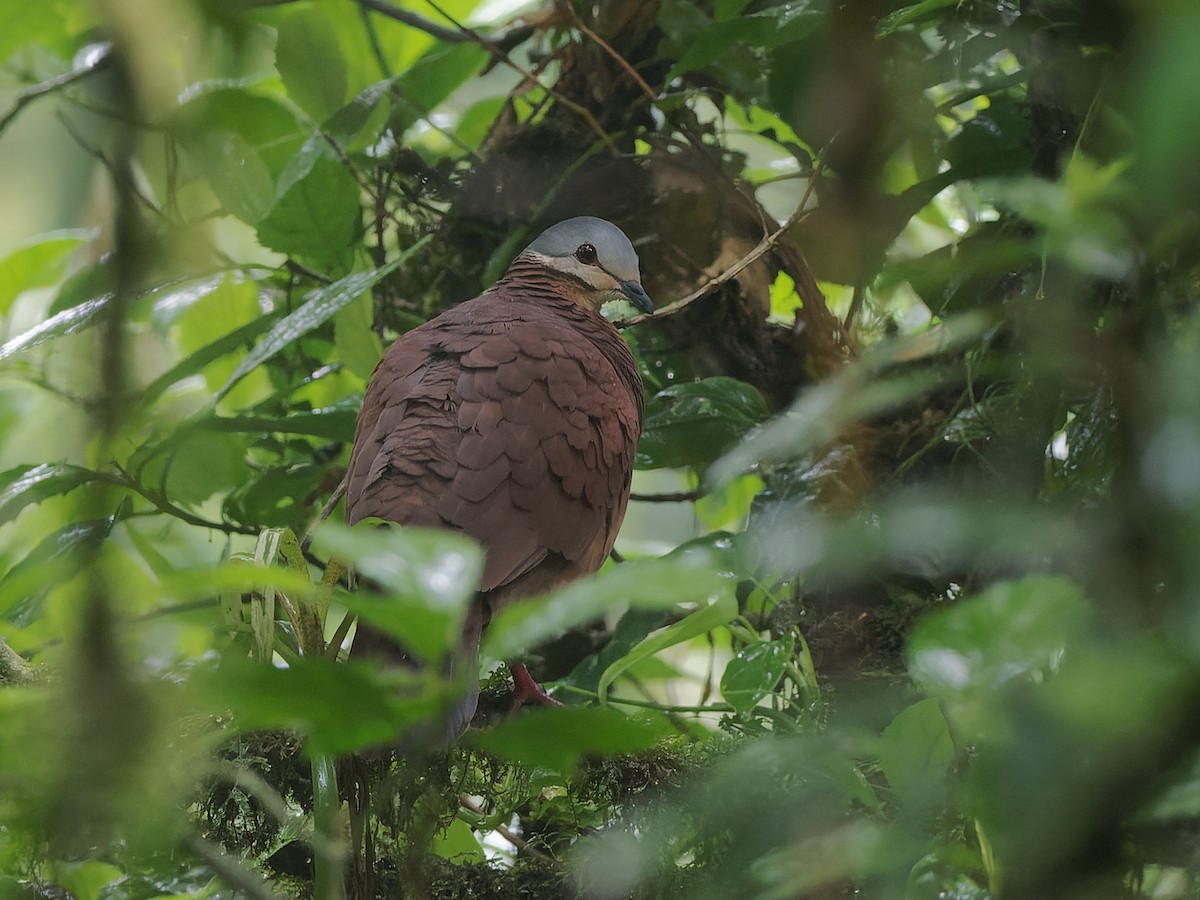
[768, 241]
[163, 505]
[515, 839]
[677, 497]
[651, 704]
[856, 302]
[338, 493]
[463, 33]
[449, 35]
[620, 60]
[50, 85]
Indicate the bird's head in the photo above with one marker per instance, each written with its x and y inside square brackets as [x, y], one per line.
[596, 254]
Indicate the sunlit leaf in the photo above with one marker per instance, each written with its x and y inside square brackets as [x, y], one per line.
[37, 264]
[458, 843]
[194, 363]
[311, 62]
[357, 344]
[23, 587]
[434, 77]
[914, 12]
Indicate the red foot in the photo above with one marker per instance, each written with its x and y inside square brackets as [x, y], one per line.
[526, 690]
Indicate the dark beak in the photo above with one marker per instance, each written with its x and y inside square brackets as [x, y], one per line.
[637, 296]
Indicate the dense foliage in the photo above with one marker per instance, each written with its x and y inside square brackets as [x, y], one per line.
[909, 597]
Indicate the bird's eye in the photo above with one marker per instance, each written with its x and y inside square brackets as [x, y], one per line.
[586, 254]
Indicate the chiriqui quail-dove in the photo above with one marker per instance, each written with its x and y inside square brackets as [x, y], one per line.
[511, 418]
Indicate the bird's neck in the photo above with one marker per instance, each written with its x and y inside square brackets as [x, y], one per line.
[530, 277]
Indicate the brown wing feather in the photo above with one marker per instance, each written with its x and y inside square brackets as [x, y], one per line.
[512, 421]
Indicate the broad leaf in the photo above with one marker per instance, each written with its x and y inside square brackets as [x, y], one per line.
[26, 485]
[319, 305]
[310, 62]
[1013, 632]
[317, 211]
[916, 752]
[754, 672]
[23, 588]
[557, 737]
[426, 578]
[38, 264]
[721, 611]
[334, 423]
[683, 577]
[692, 424]
[339, 708]
[69, 321]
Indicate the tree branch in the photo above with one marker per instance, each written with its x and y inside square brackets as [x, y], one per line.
[768, 241]
[50, 85]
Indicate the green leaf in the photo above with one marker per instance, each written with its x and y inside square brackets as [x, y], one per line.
[916, 752]
[457, 842]
[317, 212]
[237, 174]
[202, 464]
[52, 24]
[69, 321]
[275, 496]
[428, 576]
[40, 263]
[767, 29]
[754, 672]
[334, 423]
[433, 78]
[310, 61]
[692, 424]
[1165, 96]
[265, 124]
[23, 587]
[906, 15]
[26, 485]
[721, 611]
[557, 737]
[357, 344]
[85, 880]
[994, 142]
[338, 707]
[194, 363]
[683, 577]
[630, 631]
[318, 306]
[822, 412]
[1012, 633]
[238, 575]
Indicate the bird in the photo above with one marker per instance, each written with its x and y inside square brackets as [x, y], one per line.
[511, 418]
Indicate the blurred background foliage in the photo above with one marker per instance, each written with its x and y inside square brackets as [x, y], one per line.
[909, 604]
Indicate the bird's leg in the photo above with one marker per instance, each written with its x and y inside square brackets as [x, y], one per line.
[526, 690]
